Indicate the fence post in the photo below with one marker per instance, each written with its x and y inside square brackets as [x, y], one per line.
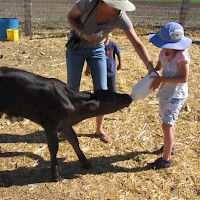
[184, 11]
[27, 16]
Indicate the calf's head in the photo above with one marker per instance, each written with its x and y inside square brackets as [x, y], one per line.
[110, 102]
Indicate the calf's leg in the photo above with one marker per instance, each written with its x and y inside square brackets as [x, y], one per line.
[52, 141]
[73, 140]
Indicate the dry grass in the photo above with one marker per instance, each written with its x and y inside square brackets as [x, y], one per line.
[118, 171]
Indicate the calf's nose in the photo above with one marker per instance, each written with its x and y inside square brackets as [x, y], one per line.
[128, 99]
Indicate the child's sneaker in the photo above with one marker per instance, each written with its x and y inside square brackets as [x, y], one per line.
[173, 152]
[160, 163]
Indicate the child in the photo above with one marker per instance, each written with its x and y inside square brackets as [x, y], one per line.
[174, 62]
[112, 50]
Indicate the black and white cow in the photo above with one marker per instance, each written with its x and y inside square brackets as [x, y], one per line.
[55, 106]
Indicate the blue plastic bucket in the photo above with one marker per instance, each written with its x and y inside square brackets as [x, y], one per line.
[7, 23]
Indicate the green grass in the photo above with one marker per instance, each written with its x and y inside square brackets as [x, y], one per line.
[195, 1]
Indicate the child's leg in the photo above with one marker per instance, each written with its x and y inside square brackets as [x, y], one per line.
[169, 113]
[112, 84]
[168, 130]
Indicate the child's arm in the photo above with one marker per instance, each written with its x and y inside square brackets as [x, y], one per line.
[158, 66]
[119, 62]
[156, 82]
[183, 67]
[117, 51]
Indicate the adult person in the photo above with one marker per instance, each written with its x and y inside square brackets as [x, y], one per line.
[86, 18]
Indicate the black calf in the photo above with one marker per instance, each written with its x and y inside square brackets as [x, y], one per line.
[55, 106]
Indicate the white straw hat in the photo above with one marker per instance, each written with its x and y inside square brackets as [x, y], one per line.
[124, 5]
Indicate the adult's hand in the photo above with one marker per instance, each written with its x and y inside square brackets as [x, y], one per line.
[90, 37]
[150, 67]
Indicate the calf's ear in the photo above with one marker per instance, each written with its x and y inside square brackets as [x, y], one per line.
[91, 105]
[102, 95]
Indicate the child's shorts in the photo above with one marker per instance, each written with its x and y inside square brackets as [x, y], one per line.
[169, 110]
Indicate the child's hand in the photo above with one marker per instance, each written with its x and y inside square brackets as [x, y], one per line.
[87, 72]
[156, 82]
[119, 67]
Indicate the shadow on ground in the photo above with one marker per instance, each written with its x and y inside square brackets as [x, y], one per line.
[41, 173]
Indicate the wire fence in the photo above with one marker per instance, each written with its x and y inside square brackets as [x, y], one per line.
[51, 16]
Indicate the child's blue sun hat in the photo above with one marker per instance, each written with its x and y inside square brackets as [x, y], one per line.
[171, 36]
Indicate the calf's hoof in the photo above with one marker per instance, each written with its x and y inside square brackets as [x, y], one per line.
[55, 175]
[56, 178]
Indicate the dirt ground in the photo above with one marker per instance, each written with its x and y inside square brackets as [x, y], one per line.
[118, 169]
